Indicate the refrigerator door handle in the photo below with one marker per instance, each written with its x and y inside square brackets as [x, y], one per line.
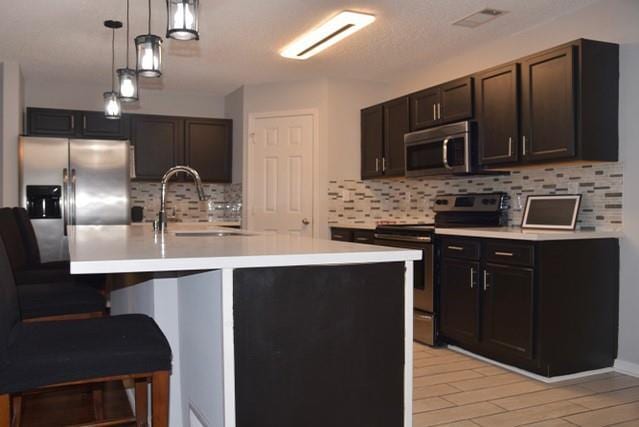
[73, 188]
[65, 198]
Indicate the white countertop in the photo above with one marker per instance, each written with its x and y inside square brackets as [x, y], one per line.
[518, 233]
[129, 249]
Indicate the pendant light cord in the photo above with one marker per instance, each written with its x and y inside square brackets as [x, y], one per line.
[149, 16]
[113, 60]
[127, 34]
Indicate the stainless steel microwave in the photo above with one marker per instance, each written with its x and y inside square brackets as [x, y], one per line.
[443, 150]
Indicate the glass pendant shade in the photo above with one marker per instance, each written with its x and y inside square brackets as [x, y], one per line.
[127, 85]
[112, 107]
[182, 19]
[149, 55]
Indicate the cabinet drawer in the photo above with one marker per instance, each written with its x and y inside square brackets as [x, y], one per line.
[364, 236]
[461, 248]
[506, 252]
[342, 234]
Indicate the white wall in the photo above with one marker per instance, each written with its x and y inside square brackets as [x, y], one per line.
[11, 117]
[234, 109]
[60, 94]
[608, 20]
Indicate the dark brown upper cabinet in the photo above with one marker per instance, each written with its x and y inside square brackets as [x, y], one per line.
[498, 115]
[208, 148]
[159, 144]
[51, 122]
[570, 103]
[372, 146]
[396, 124]
[446, 103]
[383, 129]
[74, 124]
[96, 125]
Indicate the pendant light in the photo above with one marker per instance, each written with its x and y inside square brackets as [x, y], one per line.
[112, 107]
[182, 22]
[149, 53]
[127, 78]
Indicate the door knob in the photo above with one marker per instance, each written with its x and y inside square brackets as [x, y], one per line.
[305, 221]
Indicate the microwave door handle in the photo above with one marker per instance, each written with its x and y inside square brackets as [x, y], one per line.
[445, 153]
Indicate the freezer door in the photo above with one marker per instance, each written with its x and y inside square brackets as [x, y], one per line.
[99, 182]
[44, 161]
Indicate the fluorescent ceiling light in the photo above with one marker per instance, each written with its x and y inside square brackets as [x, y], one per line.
[335, 29]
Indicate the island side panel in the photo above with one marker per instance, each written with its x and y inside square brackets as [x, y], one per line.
[320, 345]
[408, 344]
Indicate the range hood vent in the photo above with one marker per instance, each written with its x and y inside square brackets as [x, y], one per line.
[479, 18]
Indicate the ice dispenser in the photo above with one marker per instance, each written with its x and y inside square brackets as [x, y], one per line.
[43, 201]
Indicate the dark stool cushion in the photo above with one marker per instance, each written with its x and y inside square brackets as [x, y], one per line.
[55, 299]
[28, 235]
[41, 275]
[47, 353]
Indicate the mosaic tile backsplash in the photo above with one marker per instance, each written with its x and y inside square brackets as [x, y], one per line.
[409, 200]
[183, 204]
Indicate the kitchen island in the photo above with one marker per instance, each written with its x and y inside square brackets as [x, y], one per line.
[269, 330]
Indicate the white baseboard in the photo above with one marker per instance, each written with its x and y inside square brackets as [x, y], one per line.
[627, 368]
[537, 377]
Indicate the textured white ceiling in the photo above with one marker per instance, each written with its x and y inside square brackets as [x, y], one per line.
[240, 39]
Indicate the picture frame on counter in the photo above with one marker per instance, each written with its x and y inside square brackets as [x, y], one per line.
[551, 212]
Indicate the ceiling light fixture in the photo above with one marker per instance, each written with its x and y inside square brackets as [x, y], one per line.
[112, 107]
[479, 18]
[332, 31]
[149, 53]
[182, 19]
[127, 78]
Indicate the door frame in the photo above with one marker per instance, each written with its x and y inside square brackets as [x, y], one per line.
[247, 173]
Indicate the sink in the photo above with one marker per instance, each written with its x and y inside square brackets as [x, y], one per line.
[212, 233]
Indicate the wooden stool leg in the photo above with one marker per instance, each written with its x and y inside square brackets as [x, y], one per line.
[98, 401]
[160, 390]
[5, 410]
[141, 402]
[17, 411]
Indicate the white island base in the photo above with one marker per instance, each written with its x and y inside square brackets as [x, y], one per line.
[265, 339]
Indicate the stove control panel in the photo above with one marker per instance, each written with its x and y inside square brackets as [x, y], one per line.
[487, 202]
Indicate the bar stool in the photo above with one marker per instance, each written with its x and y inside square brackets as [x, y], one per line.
[43, 355]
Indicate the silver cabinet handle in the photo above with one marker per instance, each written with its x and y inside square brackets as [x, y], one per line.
[486, 285]
[84, 122]
[439, 110]
[65, 198]
[445, 153]
[338, 236]
[455, 248]
[472, 277]
[362, 239]
[383, 164]
[305, 221]
[376, 164]
[498, 253]
[510, 146]
[434, 111]
[524, 144]
[73, 122]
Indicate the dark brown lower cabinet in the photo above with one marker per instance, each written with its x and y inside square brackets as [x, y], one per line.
[508, 314]
[549, 307]
[459, 300]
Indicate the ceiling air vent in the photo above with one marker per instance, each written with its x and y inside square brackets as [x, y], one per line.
[479, 18]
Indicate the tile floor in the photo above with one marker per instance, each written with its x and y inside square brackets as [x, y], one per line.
[452, 389]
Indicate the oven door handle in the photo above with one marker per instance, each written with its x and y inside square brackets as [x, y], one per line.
[445, 152]
[391, 237]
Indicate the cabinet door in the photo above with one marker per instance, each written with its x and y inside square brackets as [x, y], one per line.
[159, 144]
[459, 300]
[372, 123]
[507, 327]
[95, 125]
[548, 106]
[498, 115]
[51, 122]
[396, 124]
[209, 149]
[456, 101]
[424, 108]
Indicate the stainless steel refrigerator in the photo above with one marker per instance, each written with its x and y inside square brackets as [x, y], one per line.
[72, 182]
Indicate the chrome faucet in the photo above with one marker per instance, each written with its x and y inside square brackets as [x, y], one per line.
[162, 220]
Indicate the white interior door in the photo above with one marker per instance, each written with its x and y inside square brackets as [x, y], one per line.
[281, 175]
